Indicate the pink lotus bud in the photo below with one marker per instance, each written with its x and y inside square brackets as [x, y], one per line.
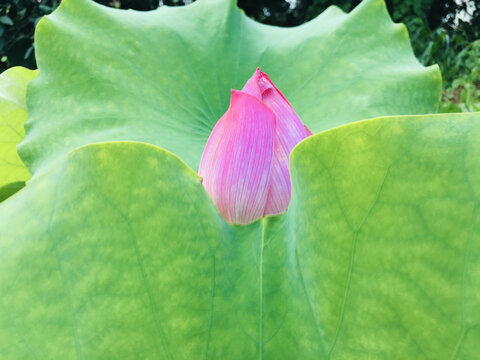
[245, 164]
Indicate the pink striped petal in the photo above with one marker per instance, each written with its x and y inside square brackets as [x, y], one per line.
[252, 87]
[237, 161]
[289, 132]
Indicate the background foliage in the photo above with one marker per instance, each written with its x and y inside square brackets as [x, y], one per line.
[438, 35]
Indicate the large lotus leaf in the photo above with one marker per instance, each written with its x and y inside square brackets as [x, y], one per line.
[164, 77]
[13, 113]
[378, 256]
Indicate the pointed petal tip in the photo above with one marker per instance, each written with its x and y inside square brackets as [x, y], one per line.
[251, 86]
[236, 94]
[240, 98]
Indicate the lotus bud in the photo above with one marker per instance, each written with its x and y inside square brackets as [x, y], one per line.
[245, 164]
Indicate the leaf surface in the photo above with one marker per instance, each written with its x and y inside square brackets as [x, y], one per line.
[13, 114]
[377, 256]
[163, 77]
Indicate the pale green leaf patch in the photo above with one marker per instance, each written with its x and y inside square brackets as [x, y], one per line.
[13, 114]
[376, 257]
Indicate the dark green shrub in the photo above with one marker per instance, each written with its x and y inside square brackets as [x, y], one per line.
[17, 21]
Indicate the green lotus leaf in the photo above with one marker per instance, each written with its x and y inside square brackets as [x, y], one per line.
[376, 258]
[115, 251]
[164, 77]
[13, 113]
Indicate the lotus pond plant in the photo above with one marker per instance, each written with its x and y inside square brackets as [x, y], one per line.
[121, 244]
